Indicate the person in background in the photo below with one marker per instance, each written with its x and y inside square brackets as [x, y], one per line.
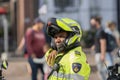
[35, 41]
[46, 68]
[111, 28]
[100, 47]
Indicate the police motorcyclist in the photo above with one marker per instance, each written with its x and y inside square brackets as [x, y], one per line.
[69, 62]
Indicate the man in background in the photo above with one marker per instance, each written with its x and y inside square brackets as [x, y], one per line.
[100, 47]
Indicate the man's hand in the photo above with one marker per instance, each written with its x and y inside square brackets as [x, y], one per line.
[33, 55]
[93, 48]
[51, 57]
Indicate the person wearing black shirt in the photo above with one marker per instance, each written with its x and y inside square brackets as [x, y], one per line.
[100, 47]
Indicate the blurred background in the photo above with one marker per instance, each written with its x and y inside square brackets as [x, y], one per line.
[17, 15]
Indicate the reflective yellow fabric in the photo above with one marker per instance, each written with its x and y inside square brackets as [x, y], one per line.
[66, 72]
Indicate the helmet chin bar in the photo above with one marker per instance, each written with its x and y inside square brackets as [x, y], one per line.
[61, 47]
[65, 48]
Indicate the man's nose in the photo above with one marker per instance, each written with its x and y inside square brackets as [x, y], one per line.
[58, 40]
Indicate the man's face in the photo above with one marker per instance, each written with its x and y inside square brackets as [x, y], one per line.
[40, 25]
[113, 27]
[59, 38]
[93, 22]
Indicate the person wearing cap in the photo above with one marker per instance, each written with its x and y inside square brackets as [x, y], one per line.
[34, 42]
[66, 57]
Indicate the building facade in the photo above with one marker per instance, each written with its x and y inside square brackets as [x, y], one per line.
[82, 10]
[23, 12]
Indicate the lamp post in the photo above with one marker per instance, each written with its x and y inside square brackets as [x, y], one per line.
[5, 27]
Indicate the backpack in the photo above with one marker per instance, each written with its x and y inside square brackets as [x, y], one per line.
[25, 45]
[111, 42]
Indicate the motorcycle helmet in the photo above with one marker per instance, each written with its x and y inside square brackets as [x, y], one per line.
[55, 25]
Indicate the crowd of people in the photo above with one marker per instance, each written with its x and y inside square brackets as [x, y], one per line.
[60, 55]
[107, 39]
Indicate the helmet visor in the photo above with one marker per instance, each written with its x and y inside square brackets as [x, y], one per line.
[52, 30]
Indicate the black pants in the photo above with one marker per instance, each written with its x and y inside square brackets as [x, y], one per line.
[35, 68]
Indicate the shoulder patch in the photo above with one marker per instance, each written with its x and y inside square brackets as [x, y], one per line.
[76, 67]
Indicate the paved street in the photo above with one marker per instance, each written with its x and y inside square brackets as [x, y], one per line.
[17, 69]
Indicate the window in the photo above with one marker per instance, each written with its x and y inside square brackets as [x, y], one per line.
[66, 5]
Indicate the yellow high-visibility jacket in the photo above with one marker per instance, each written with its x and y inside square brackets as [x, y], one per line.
[72, 66]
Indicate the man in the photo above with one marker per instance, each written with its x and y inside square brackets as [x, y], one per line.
[35, 41]
[69, 62]
[100, 47]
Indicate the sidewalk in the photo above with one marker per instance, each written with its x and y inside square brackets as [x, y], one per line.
[94, 73]
[17, 70]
